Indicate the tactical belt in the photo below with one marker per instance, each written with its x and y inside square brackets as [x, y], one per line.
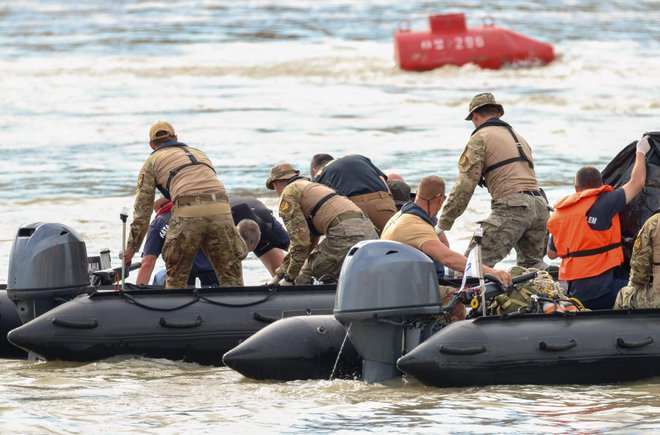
[531, 192]
[345, 216]
[199, 199]
[589, 252]
[369, 196]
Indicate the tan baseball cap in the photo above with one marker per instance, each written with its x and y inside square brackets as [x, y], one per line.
[281, 171]
[161, 130]
[481, 100]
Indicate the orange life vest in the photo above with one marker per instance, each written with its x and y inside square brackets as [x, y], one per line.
[584, 252]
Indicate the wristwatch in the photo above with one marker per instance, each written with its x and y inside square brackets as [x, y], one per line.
[287, 278]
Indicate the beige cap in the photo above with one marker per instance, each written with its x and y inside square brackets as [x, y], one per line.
[481, 100]
[281, 171]
[161, 130]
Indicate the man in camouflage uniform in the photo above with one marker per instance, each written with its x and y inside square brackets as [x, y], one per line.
[310, 210]
[201, 215]
[643, 290]
[499, 158]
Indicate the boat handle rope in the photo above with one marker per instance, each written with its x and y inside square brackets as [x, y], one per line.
[623, 343]
[451, 350]
[90, 324]
[544, 345]
[132, 300]
[270, 294]
[167, 324]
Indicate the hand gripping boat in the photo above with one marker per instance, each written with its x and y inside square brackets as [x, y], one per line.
[388, 307]
[450, 42]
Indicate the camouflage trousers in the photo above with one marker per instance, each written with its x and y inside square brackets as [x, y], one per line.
[217, 236]
[329, 254]
[517, 221]
[377, 206]
[637, 297]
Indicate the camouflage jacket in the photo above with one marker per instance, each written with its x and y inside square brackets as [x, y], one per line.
[143, 207]
[641, 262]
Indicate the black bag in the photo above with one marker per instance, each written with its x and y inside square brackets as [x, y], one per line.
[617, 173]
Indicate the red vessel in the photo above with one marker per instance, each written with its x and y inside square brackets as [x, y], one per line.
[450, 42]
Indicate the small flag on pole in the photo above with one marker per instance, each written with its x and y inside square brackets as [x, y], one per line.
[471, 267]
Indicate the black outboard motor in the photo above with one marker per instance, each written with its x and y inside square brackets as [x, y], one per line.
[386, 297]
[47, 265]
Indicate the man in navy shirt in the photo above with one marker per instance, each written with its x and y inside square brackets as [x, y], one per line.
[360, 180]
[263, 234]
[586, 233]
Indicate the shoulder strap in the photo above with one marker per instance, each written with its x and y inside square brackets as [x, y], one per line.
[312, 213]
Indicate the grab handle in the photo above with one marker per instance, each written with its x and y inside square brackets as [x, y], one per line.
[168, 324]
[623, 343]
[73, 324]
[450, 350]
[557, 347]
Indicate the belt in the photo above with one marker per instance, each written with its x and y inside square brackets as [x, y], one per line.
[199, 199]
[345, 216]
[369, 196]
[531, 192]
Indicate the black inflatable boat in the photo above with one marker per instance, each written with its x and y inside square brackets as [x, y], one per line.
[195, 325]
[396, 326]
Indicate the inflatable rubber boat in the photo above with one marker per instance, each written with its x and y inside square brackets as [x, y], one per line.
[71, 312]
[390, 320]
[194, 325]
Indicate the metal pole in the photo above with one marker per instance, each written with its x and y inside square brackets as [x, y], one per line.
[478, 235]
[123, 216]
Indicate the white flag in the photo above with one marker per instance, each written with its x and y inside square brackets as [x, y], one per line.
[471, 268]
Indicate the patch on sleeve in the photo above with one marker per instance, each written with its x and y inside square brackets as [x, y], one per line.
[285, 206]
[463, 161]
[638, 244]
[140, 180]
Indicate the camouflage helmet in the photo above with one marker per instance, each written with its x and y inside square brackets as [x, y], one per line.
[481, 100]
[281, 171]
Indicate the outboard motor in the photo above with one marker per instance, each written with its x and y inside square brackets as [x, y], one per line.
[385, 288]
[47, 265]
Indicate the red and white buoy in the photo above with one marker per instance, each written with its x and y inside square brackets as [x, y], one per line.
[450, 42]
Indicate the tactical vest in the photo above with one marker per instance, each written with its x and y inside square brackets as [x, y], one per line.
[320, 204]
[497, 157]
[165, 190]
[584, 252]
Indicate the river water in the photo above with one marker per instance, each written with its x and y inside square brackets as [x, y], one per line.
[254, 83]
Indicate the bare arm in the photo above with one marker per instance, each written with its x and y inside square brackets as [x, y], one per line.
[452, 259]
[147, 267]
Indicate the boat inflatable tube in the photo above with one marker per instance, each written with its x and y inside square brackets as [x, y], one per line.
[589, 347]
[450, 42]
[8, 320]
[297, 348]
[194, 325]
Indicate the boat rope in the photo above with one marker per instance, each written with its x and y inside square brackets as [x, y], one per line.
[132, 300]
[270, 294]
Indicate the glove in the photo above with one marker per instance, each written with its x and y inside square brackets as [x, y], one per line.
[276, 280]
[643, 145]
[285, 282]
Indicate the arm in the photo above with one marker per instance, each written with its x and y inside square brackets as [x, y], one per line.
[470, 167]
[551, 250]
[144, 201]
[637, 176]
[296, 225]
[452, 259]
[443, 238]
[147, 267]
